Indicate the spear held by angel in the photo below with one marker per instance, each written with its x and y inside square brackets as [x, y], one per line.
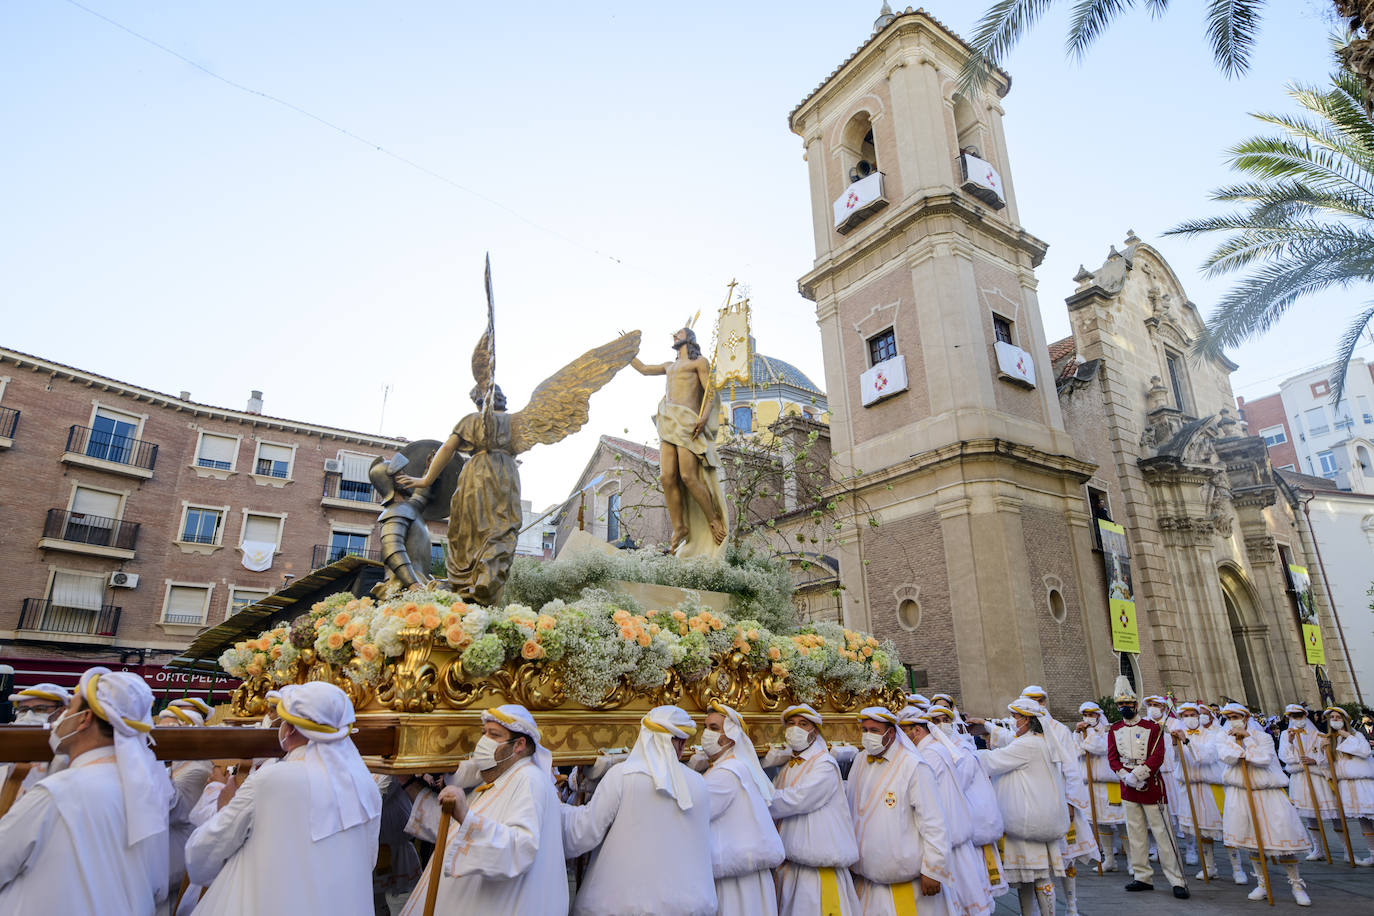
[484, 516]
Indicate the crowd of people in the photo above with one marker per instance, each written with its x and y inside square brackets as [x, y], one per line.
[933, 812]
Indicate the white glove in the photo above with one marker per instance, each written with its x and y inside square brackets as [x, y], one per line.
[1141, 774]
[699, 761]
[1128, 780]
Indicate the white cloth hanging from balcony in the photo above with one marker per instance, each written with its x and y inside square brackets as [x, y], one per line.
[257, 555]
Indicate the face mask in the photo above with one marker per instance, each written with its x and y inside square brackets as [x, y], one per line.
[484, 755]
[873, 743]
[946, 727]
[281, 735]
[1336, 723]
[54, 739]
[1127, 712]
[1190, 722]
[30, 717]
[710, 742]
[1206, 720]
[797, 738]
[1155, 713]
[1091, 720]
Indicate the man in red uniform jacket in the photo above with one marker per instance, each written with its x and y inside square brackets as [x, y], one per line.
[1135, 752]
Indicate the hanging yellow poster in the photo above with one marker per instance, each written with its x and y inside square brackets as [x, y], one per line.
[1312, 644]
[1120, 593]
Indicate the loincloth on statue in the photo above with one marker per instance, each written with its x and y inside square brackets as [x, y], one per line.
[675, 424]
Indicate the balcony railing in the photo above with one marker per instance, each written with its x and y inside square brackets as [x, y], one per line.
[106, 446]
[96, 530]
[324, 554]
[9, 421]
[46, 616]
[335, 487]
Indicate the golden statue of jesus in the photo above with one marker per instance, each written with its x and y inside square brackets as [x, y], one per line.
[689, 466]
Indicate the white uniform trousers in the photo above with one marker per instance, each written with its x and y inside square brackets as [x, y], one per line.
[1141, 821]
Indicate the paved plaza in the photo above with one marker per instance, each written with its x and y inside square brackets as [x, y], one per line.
[1337, 889]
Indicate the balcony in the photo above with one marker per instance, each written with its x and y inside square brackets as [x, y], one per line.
[324, 554]
[349, 494]
[94, 535]
[860, 200]
[9, 421]
[105, 451]
[71, 624]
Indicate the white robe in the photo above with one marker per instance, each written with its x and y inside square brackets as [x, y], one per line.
[64, 850]
[201, 812]
[901, 831]
[1355, 775]
[1200, 758]
[1093, 746]
[188, 783]
[1030, 794]
[745, 846]
[505, 858]
[1282, 830]
[1300, 788]
[814, 822]
[257, 856]
[970, 892]
[985, 818]
[654, 858]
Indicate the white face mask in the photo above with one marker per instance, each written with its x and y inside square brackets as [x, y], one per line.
[797, 738]
[484, 755]
[1190, 722]
[30, 717]
[1091, 720]
[282, 734]
[1335, 723]
[1155, 713]
[54, 739]
[1206, 720]
[710, 742]
[873, 743]
[946, 727]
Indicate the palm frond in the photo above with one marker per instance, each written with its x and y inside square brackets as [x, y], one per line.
[1231, 29]
[1004, 24]
[1350, 340]
[1091, 18]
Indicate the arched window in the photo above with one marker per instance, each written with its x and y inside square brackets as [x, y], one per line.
[742, 418]
[613, 518]
[860, 155]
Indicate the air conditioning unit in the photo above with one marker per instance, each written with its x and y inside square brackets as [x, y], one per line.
[123, 580]
[333, 466]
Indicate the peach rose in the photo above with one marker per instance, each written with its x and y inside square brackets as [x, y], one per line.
[276, 652]
[410, 607]
[368, 652]
[342, 618]
[413, 619]
[644, 639]
[753, 634]
[868, 651]
[779, 670]
[775, 653]
[531, 650]
[678, 615]
[335, 641]
[431, 621]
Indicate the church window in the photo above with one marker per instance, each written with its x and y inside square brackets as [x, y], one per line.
[882, 347]
[1001, 329]
[1174, 363]
[860, 154]
[1057, 609]
[909, 614]
[742, 418]
[613, 518]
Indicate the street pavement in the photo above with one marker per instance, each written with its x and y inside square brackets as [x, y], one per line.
[1335, 889]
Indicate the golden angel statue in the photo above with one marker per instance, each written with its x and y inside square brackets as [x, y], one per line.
[484, 516]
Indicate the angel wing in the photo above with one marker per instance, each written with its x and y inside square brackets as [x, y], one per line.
[558, 408]
[484, 357]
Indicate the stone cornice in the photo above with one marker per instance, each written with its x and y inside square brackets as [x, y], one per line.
[968, 451]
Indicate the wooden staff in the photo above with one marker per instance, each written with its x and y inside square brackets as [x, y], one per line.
[1340, 804]
[1192, 809]
[436, 862]
[1312, 794]
[1259, 835]
[1092, 806]
[12, 783]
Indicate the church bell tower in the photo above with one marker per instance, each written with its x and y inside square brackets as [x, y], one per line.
[944, 410]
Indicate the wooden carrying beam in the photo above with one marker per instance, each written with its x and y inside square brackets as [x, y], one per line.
[26, 743]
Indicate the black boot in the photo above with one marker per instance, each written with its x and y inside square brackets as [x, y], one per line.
[1139, 886]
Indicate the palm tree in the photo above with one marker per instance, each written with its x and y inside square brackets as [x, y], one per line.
[1232, 26]
[1307, 218]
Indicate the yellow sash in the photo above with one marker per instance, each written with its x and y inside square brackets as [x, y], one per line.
[1219, 793]
[904, 898]
[994, 874]
[1114, 793]
[830, 893]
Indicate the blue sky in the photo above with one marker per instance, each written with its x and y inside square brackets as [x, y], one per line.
[620, 161]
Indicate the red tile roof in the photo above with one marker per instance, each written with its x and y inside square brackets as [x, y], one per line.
[1062, 348]
[633, 449]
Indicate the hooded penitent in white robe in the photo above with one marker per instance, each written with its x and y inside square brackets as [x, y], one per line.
[969, 893]
[1030, 794]
[256, 854]
[64, 850]
[1283, 831]
[1355, 775]
[506, 857]
[900, 830]
[1299, 789]
[651, 819]
[813, 818]
[745, 847]
[985, 818]
[1199, 758]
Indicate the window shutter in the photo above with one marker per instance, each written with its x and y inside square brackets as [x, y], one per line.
[218, 448]
[261, 528]
[274, 452]
[186, 601]
[95, 502]
[355, 466]
[78, 591]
